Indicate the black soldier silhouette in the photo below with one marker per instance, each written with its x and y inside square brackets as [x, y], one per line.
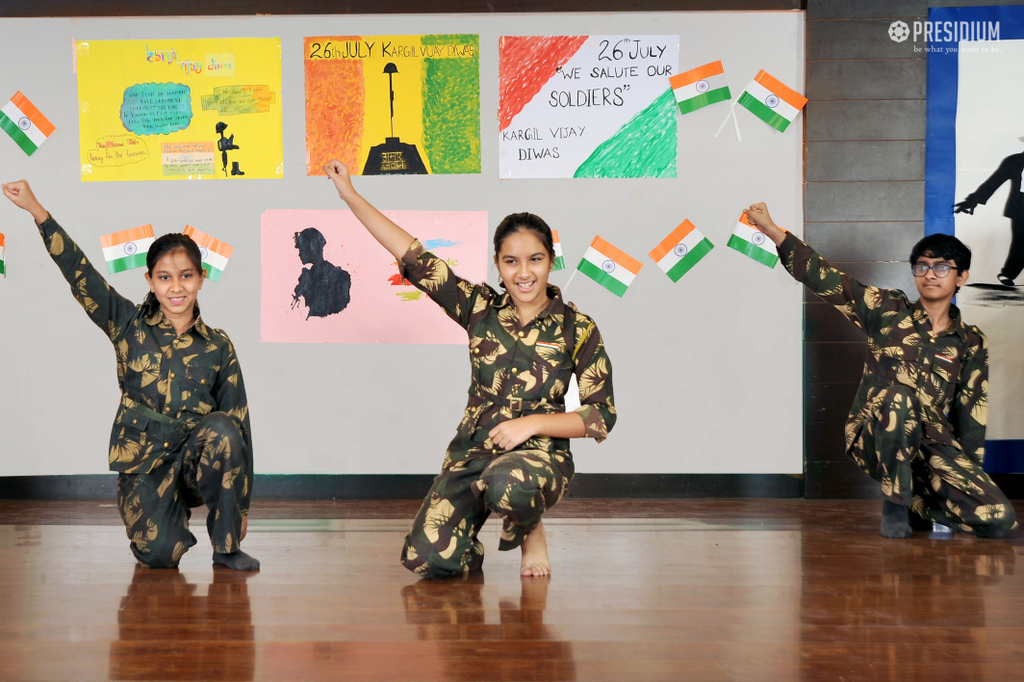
[225, 145]
[1011, 169]
[323, 286]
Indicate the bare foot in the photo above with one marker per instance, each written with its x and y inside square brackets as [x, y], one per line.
[535, 554]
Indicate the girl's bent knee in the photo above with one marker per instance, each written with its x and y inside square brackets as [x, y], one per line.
[431, 566]
[221, 424]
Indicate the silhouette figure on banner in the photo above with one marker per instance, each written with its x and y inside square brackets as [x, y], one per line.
[225, 145]
[1010, 169]
[394, 157]
[324, 287]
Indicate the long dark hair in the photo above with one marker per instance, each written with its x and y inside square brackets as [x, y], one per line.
[168, 243]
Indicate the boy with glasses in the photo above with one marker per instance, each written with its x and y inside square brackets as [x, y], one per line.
[917, 425]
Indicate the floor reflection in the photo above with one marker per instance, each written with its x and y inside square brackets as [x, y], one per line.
[924, 606]
[168, 630]
[520, 646]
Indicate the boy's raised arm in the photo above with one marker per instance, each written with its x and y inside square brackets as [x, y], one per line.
[758, 215]
[860, 303]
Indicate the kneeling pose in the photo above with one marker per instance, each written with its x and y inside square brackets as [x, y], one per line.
[181, 435]
[917, 425]
[511, 453]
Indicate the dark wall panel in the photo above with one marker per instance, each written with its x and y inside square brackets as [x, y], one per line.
[866, 79]
[828, 401]
[825, 324]
[861, 201]
[832, 363]
[862, 241]
[856, 39]
[865, 120]
[851, 9]
[864, 161]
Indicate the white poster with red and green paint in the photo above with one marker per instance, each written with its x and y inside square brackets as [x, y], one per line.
[587, 106]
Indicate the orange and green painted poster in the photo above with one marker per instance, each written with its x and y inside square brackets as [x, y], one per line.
[587, 106]
[393, 104]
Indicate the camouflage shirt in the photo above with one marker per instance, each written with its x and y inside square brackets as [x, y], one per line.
[517, 369]
[180, 377]
[947, 371]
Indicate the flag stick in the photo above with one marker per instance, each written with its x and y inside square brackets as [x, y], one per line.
[736, 122]
[569, 282]
[732, 112]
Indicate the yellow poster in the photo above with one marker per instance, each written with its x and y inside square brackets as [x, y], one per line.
[179, 109]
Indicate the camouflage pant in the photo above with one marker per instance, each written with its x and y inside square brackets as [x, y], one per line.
[519, 486]
[936, 480]
[208, 468]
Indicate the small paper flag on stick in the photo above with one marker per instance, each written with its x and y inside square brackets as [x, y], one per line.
[681, 250]
[215, 253]
[22, 121]
[559, 258]
[752, 242]
[127, 249]
[3, 268]
[772, 101]
[608, 266]
[697, 88]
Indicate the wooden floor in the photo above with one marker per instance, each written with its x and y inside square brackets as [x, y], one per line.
[642, 590]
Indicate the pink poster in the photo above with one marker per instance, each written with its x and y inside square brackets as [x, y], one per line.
[326, 280]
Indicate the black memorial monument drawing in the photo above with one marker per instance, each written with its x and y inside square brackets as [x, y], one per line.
[394, 157]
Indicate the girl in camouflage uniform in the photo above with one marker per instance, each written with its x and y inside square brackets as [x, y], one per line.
[511, 453]
[181, 435]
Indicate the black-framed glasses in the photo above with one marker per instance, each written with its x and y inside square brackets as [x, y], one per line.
[940, 269]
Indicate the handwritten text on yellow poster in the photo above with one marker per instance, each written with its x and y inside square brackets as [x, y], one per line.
[180, 109]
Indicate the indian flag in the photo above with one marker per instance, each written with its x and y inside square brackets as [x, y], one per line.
[771, 101]
[127, 249]
[559, 259]
[215, 252]
[23, 122]
[3, 268]
[608, 266]
[697, 88]
[681, 250]
[749, 240]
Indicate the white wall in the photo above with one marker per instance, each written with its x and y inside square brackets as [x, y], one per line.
[707, 371]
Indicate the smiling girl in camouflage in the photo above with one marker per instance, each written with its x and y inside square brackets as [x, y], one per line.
[181, 435]
[511, 453]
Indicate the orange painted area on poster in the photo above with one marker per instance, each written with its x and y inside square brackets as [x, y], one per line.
[335, 109]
